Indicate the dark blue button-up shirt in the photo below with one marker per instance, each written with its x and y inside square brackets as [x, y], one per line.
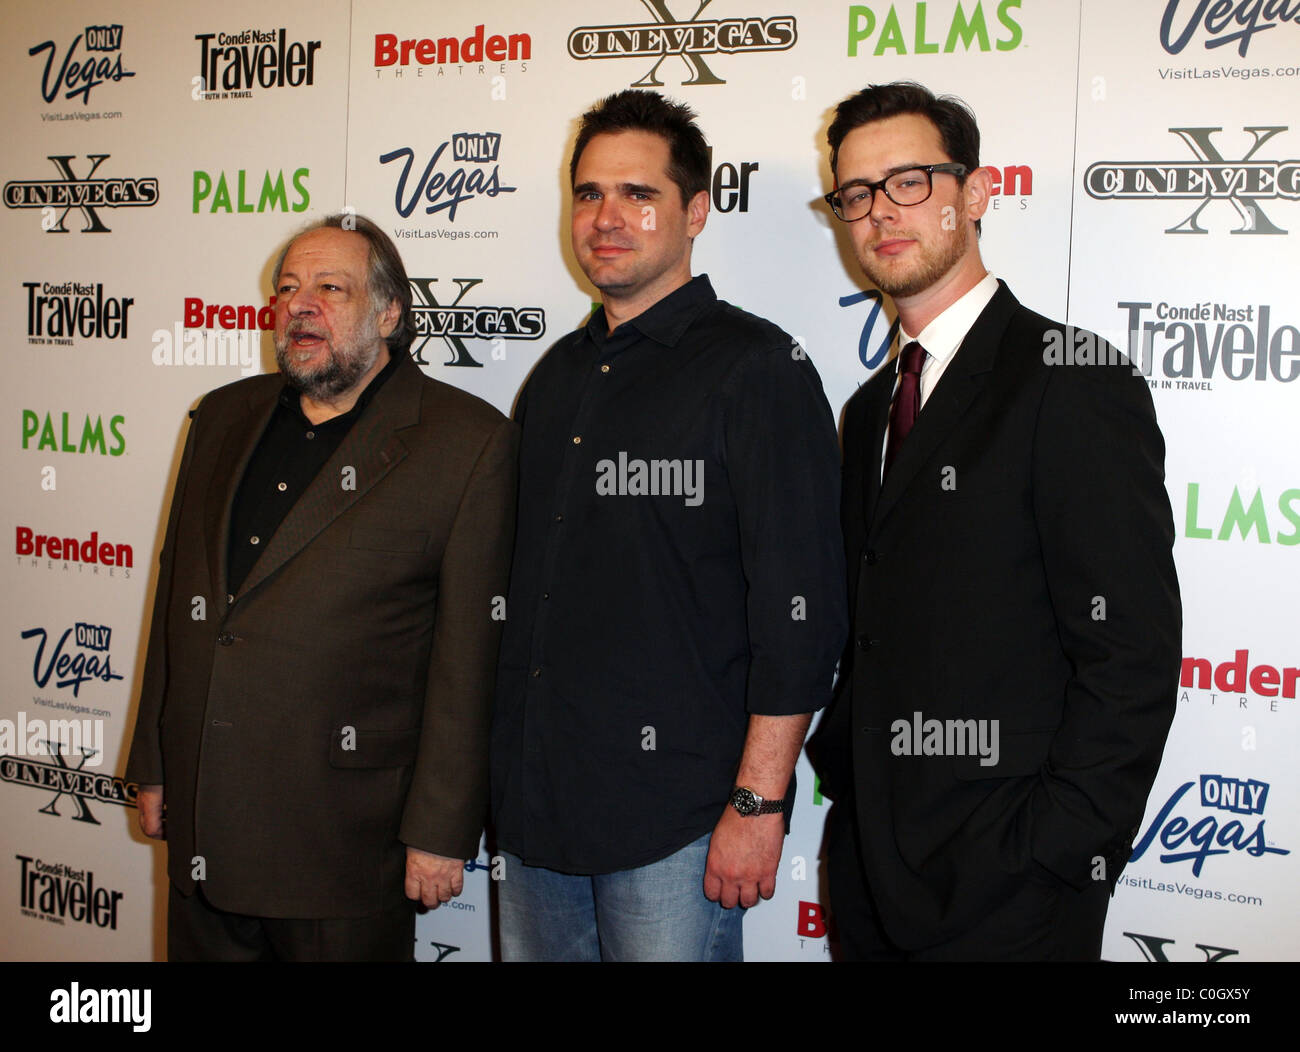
[678, 567]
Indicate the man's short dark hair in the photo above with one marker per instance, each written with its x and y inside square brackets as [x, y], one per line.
[952, 118]
[386, 276]
[648, 111]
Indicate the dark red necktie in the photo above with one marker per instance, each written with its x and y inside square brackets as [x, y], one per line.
[907, 403]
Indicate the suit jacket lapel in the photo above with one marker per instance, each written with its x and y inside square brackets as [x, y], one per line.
[876, 423]
[242, 436]
[952, 396]
[372, 448]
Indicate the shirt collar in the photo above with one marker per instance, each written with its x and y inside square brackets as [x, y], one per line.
[945, 334]
[665, 322]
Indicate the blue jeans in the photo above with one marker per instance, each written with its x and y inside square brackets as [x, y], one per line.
[653, 913]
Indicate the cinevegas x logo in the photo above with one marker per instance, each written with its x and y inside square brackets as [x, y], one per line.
[454, 324]
[76, 75]
[691, 40]
[231, 65]
[1188, 838]
[1242, 183]
[58, 197]
[81, 787]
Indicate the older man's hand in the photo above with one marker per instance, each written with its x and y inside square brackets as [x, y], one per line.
[433, 879]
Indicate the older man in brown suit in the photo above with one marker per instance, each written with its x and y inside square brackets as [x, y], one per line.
[315, 703]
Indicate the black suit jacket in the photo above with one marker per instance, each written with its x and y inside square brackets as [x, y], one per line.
[337, 708]
[1015, 566]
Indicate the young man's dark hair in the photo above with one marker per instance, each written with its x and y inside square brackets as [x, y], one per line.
[648, 111]
[953, 119]
[386, 276]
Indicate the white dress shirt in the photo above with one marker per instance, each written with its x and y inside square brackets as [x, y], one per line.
[941, 338]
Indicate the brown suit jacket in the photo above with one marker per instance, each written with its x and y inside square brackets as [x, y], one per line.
[337, 708]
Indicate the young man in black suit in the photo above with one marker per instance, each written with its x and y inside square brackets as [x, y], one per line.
[1010, 677]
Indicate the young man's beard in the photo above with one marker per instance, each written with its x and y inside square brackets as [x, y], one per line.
[934, 264]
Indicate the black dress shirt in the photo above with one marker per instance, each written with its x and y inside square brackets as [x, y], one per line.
[678, 567]
[290, 454]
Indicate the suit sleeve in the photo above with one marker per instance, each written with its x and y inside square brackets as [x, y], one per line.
[145, 762]
[447, 800]
[1107, 535]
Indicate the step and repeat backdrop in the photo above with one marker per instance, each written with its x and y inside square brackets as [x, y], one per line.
[157, 156]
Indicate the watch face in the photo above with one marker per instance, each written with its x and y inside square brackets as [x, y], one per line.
[744, 801]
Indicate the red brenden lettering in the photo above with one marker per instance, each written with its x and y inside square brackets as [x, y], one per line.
[73, 549]
[812, 921]
[390, 51]
[1233, 676]
[199, 315]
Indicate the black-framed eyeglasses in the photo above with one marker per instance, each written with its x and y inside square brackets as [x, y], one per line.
[911, 187]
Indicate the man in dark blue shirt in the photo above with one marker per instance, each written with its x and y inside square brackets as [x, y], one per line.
[677, 601]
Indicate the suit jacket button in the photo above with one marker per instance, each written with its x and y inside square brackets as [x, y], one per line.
[870, 557]
[226, 638]
[865, 642]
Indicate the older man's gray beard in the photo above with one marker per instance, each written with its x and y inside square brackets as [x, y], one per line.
[344, 369]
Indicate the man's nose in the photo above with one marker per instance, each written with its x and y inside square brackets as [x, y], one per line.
[883, 210]
[301, 301]
[609, 216]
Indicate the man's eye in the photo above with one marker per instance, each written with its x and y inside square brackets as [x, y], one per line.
[856, 197]
[908, 182]
[330, 288]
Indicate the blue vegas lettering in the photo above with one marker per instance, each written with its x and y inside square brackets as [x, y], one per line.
[1221, 22]
[73, 668]
[866, 355]
[78, 77]
[1188, 841]
[448, 190]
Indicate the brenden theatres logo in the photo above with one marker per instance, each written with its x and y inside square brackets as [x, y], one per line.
[691, 40]
[454, 323]
[1223, 23]
[1239, 677]
[82, 552]
[56, 312]
[75, 75]
[81, 787]
[475, 50]
[58, 893]
[447, 189]
[1188, 838]
[231, 65]
[58, 197]
[220, 334]
[1242, 183]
